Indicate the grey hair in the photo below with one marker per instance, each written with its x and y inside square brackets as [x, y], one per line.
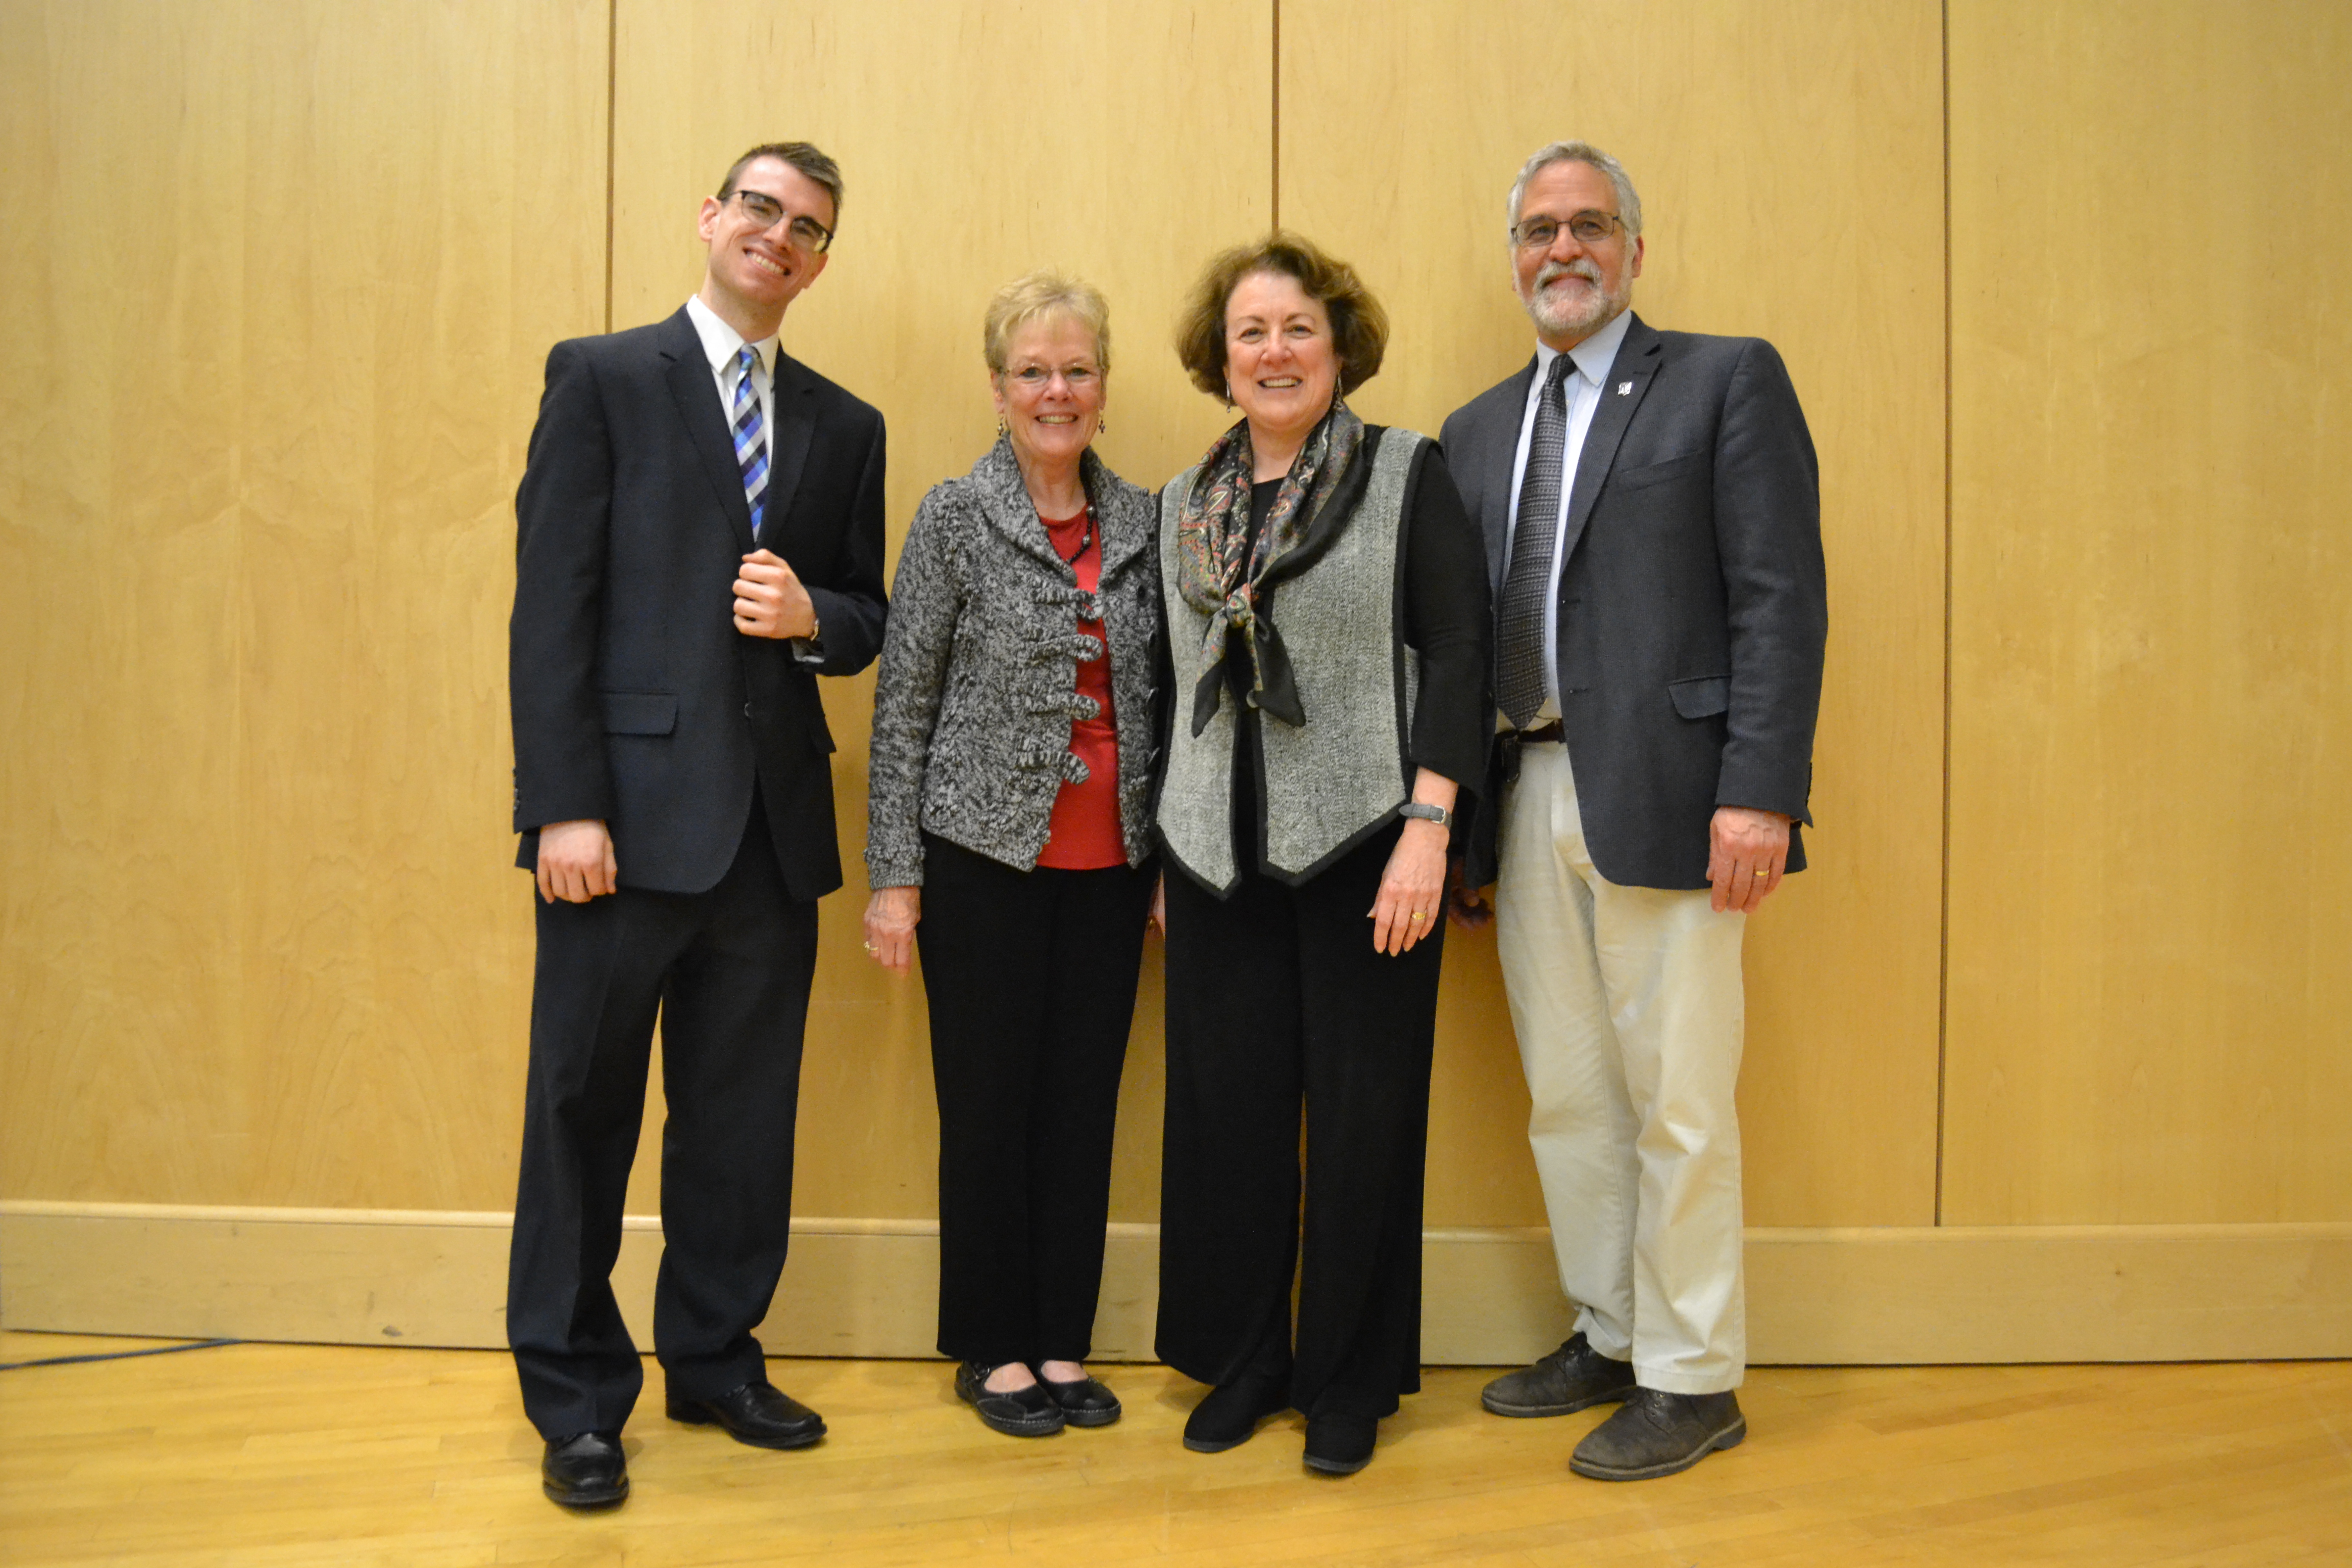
[1629, 201]
[1037, 295]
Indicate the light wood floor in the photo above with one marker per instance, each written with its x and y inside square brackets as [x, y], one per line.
[289, 1454]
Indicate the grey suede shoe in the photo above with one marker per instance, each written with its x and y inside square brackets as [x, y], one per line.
[1569, 1379]
[1658, 1434]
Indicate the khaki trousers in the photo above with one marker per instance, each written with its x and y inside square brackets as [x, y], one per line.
[1629, 1009]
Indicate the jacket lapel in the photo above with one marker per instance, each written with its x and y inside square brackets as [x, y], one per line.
[1621, 397]
[788, 444]
[1130, 526]
[1005, 499]
[688, 375]
[1497, 467]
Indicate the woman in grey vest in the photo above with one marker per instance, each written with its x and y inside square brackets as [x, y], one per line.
[1325, 599]
[1013, 734]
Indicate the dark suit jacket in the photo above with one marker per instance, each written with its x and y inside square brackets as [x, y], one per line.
[1693, 606]
[635, 698]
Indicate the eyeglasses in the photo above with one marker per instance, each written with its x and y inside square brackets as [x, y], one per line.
[806, 233]
[1078, 377]
[1588, 227]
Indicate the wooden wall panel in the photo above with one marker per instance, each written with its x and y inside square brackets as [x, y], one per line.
[276, 282]
[2150, 566]
[977, 140]
[1788, 157]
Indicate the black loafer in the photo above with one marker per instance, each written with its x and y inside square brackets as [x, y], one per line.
[586, 1470]
[1086, 1402]
[1659, 1433]
[759, 1414]
[1024, 1413]
[1341, 1445]
[1228, 1415]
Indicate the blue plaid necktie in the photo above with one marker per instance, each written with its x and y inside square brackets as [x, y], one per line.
[750, 436]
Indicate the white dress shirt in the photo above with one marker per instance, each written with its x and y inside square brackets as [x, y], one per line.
[1591, 358]
[720, 344]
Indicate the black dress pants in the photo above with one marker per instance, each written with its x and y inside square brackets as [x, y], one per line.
[1277, 1001]
[1030, 979]
[729, 972]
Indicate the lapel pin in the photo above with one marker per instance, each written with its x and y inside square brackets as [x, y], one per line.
[1624, 388]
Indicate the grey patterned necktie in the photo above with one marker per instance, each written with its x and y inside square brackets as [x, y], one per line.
[1521, 653]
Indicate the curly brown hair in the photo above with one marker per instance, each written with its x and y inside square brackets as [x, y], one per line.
[1359, 327]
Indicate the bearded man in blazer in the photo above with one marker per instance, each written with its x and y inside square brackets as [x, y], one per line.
[1651, 505]
[700, 536]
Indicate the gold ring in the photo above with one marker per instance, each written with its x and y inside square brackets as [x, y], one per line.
[1416, 915]
[869, 947]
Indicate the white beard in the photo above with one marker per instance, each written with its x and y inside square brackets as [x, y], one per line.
[1574, 315]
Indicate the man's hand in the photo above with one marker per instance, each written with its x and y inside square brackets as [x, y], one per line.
[575, 861]
[1747, 852]
[891, 916]
[1468, 907]
[769, 599]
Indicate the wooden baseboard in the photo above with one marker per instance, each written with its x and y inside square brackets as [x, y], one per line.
[868, 1288]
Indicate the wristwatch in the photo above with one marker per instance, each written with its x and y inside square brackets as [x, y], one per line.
[1426, 812]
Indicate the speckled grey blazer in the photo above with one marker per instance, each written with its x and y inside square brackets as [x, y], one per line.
[977, 685]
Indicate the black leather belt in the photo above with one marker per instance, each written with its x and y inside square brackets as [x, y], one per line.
[1542, 732]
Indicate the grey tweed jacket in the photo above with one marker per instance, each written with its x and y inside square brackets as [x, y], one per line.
[977, 685]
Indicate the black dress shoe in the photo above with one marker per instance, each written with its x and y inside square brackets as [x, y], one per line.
[586, 1470]
[1086, 1402]
[1341, 1445]
[1657, 1434]
[759, 1414]
[1022, 1413]
[1228, 1416]
[1571, 1378]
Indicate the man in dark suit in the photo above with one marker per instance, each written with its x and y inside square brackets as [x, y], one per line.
[700, 537]
[1651, 505]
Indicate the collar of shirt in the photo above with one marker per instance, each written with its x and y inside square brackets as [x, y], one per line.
[1592, 357]
[720, 344]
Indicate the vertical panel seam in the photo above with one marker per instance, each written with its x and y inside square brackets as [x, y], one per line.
[1944, 866]
[612, 109]
[1275, 138]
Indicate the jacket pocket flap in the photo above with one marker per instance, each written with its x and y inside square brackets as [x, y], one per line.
[1659, 473]
[1702, 696]
[639, 712]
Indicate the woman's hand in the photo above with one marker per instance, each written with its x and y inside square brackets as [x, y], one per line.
[1159, 904]
[890, 918]
[1412, 888]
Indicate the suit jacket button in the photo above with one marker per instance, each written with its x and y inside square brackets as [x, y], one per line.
[747, 710]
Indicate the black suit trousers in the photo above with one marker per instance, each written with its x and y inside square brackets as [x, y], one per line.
[728, 971]
[1277, 1001]
[1031, 977]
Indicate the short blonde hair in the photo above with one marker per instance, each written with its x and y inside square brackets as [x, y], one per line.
[1034, 297]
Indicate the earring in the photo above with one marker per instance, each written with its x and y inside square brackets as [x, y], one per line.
[1102, 423]
[1000, 430]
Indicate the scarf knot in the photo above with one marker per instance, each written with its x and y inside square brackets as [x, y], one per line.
[1223, 573]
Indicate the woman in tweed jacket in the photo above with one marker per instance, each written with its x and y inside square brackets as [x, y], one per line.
[1014, 735]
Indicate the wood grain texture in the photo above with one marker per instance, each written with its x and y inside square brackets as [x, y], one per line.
[1788, 157]
[266, 1455]
[275, 281]
[2149, 658]
[978, 140]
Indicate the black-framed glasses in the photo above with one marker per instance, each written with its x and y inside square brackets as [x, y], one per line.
[1588, 227]
[805, 233]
